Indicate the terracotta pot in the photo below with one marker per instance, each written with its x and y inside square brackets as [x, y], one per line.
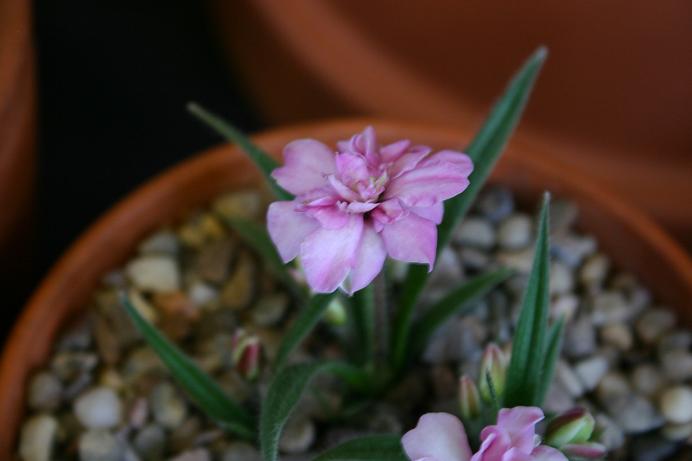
[614, 100]
[17, 125]
[631, 239]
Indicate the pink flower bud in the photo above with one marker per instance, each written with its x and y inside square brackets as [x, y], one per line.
[493, 364]
[585, 450]
[571, 427]
[246, 354]
[469, 399]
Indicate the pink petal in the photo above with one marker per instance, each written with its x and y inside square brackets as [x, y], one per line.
[495, 443]
[352, 168]
[546, 453]
[327, 255]
[364, 144]
[437, 437]
[436, 178]
[408, 161]
[369, 260]
[288, 228]
[432, 213]
[520, 424]
[329, 217]
[307, 163]
[411, 239]
[342, 189]
[393, 151]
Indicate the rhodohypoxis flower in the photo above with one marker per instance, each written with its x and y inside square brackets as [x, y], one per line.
[441, 437]
[355, 206]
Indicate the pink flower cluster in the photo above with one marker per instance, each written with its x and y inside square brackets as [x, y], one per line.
[441, 437]
[355, 206]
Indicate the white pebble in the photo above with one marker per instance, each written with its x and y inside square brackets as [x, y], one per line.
[676, 404]
[98, 408]
[591, 371]
[154, 273]
[38, 435]
[514, 232]
[475, 233]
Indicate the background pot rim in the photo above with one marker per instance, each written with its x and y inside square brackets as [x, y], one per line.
[24, 350]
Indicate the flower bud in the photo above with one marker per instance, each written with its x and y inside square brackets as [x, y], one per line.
[571, 427]
[246, 354]
[493, 364]
[469, 399]
[589, 450]
[336, 312]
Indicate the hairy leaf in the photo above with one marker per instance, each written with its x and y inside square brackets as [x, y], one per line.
[369, 448]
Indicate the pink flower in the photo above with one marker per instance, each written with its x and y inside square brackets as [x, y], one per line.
[355, 206]
[441, 437]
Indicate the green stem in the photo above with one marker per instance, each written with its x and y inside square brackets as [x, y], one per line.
[404, 315]
[364, 317]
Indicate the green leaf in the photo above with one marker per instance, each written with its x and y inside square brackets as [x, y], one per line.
[370, 448]
[529, 344]
[258, 239]
[364, 318]
[284, 393]
[484, 150]
[260, 158]
[199, 386]
[456, 302]
[552, 353]
[302, 326]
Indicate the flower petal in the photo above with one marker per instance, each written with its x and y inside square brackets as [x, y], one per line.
[393, 151]
[437, 437]
[411, 239]
[495, 443]
[436, 178]
[288, 228]
[369, 260]
[432, 213]
[546, 453]
[520, 423]
[307, 163]
[352, 168]
[327, 255]
[408, 161]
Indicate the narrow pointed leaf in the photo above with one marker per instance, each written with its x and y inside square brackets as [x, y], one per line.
[260, 158]
[456, 302]
[301, 327]
[200, 387]
[484, 150]
[257, 237]
[552, 353]
[370, 448]
[284, 393]
[529, 344]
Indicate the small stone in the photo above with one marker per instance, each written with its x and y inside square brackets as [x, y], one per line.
[496, 203]
[610, 433]
[647, 379]
[201, 229]
[214, 260]
[238, 290]
[618, 335]
[580, 338]
[475, 233]
[679, 339]
[612, 385]
[201, 294]
[161, 243]
[69, 365]
[568, 379]
[98, 408]
[590, 371]
[154, 273]
[677, 432]
[561, 279]
[199, 454]
[141, 361]
[298, 436]
[634, 414]
[564, 306]
[45, 392]
[572, 249]
[558, 399]
[610, 307]
[520, 261]
[150, 443]
[515, 232]
[594, 271]
[168, 408]
[677, 365]
[240, 451]
[473, 258]
[676, 404]
[448, 272]
[563, 215]
[270, 309]
[654, 323]
[243, 204]
[100, 445]
[37, 438]
[184, 436]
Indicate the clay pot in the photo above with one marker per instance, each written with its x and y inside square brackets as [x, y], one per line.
[630, 238]
[17, 126]
[613, 101]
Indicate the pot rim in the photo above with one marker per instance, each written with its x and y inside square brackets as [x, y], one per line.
[72, 263]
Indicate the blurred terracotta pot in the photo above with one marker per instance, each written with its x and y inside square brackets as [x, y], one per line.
[614, 101]
[630, 238]
[17, 120]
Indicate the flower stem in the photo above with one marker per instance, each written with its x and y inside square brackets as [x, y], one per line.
[364, 316]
